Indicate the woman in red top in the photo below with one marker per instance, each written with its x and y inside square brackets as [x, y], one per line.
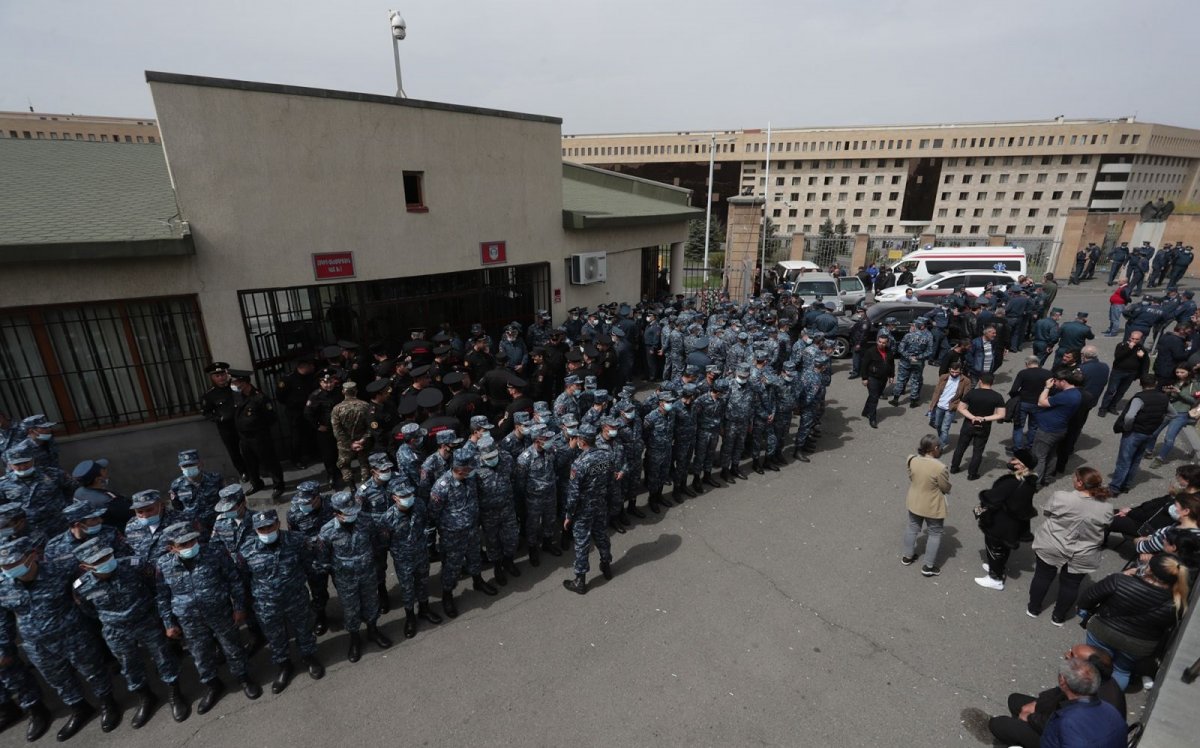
[1116, 307]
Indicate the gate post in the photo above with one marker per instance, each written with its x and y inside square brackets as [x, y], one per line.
[742, 234]
[676, 273]
[858, 255]
[796, 251]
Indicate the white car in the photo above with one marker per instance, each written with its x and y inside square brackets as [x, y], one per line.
[943, 284]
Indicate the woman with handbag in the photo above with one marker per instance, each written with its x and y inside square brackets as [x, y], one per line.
[1133, 610]
[1067, 545]
[1003, 514]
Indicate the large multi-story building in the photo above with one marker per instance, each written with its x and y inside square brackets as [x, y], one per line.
[1010, 178]
[44, 126]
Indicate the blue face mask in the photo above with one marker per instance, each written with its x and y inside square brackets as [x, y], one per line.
[406, 502]
[190, 552]
[231, 514]
[191, 471]
[349, 516]
[108, 567]
[24, 473]
[93, 529]
[269, 537]
[305, 508]
[151, 521]
[45, 437]
[17, 571]
[384, 477]
[491, 461]
[667, 407]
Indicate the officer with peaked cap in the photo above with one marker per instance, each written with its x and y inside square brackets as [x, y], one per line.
[217, 405]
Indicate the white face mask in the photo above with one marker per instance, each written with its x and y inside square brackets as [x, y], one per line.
[1173, 510]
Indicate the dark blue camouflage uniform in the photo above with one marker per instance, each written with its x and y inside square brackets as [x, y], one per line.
[200, 596]
[587, 506]
[279, 592]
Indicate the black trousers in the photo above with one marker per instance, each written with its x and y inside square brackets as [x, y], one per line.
[302, 438]
[1012, 731]
[229, 437]
[997, 553]
[327, 446]
[875, 388]
[977, 439]
[258, 450]
[1068, 588]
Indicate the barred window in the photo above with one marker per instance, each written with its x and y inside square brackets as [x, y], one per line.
[100, 365]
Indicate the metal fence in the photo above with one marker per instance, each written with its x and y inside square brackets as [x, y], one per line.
[829, 251]
[888, 248]
[943, 240]
[1040, 254]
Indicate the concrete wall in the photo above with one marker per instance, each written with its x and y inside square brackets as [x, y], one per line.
[624, 247]
[267, 179]
[1082, 227]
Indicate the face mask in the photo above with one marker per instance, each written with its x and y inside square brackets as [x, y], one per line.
[93, 529]
[24, 473]
[1173, 510]
[268, 538]
[349, 516]
[384, 477]
[17, 571]
[492, 461]
[151, 521]
[190, 552]
[406, 502]
[231, 514]
[108, 567]
[45, 437]
[191, 471]
[305, 508]
[742, 380]
[667, 407]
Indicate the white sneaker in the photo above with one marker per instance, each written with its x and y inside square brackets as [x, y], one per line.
[1147, 683]
[991, 584]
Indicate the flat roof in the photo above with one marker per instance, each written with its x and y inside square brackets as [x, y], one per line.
[73, 199]
[598, 198]
[153, 76]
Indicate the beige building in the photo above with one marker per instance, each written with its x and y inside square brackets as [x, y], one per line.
[41, 126]
[1011, 178]
[273, 220]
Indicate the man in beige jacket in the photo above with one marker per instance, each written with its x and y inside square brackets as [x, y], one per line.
[929, 482]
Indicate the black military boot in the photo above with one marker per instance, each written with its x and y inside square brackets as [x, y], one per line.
[39, 721]
[377, 637]
[410, 623]
[213, 691]
[623, 518]
[180, 708]
[708, 480]
[664, 500]
[145, 707]
[697, 485]
[385, 605]
[283, 677]
[250, 688]
[498, 575]
[549, 546]
[448, 606]
[615, 525]
[80, 714]
[110, 713]
[354, 652]
[633, 509]
[577, 585]
[565, 540]
[10, 714]
[480, 584]
[798, 454]
[652, 503]
[606, 569]
[727, 476]
[736, 471]
[316, 670]
[426, 613]
[757, 465]
[684, 488]
[321, 622]
[535, 556]
[511, 567]
[769, 464]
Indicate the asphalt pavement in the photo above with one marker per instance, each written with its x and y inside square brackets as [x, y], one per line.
[772, 612]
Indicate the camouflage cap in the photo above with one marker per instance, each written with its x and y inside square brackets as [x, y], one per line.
[180, 533]
[480, 422]
[143, 499]
[343, 501]
[401, 486]
[264, 518]
[464, 458]
[600, 396]
[538, 431]
[379, 460]
[189, 456]
[230, 497]
[446, 437]
[587, 431]
[308, 489]
[92, 552]
[16, 549]
[522, 418]
[22, 451]
[78, 511]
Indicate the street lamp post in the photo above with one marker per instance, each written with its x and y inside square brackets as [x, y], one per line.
[762, 261]
[399, 31]
[712, 155]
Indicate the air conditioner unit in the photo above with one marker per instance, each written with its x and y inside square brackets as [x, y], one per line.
[589, 267]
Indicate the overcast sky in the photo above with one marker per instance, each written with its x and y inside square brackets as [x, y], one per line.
[634, 65]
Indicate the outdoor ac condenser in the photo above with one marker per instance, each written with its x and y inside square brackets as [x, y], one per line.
[589, 267]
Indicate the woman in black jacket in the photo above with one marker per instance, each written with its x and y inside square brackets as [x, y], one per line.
[1003, 513]
[1133, 610]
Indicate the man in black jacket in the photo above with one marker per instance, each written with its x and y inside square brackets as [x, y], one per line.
[878, 371]
[253, 417]
[1151, 515]
[1172, 351]
[1027, 385]
[1130, 363]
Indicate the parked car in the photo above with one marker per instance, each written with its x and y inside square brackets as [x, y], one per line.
[929, 261]
[904, 312]
[809, 286]
[851, 291]
[943, 284]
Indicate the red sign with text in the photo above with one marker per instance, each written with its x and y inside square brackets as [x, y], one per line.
[493, 253]
[333, 265]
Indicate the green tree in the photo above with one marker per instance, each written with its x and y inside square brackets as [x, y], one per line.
[842, 228]
[826, 231]
[694, 248]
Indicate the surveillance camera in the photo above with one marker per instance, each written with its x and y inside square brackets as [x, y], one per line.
[399, 27]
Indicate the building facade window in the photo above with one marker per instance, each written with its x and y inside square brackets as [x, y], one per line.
[101, 365]
[414, 192]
